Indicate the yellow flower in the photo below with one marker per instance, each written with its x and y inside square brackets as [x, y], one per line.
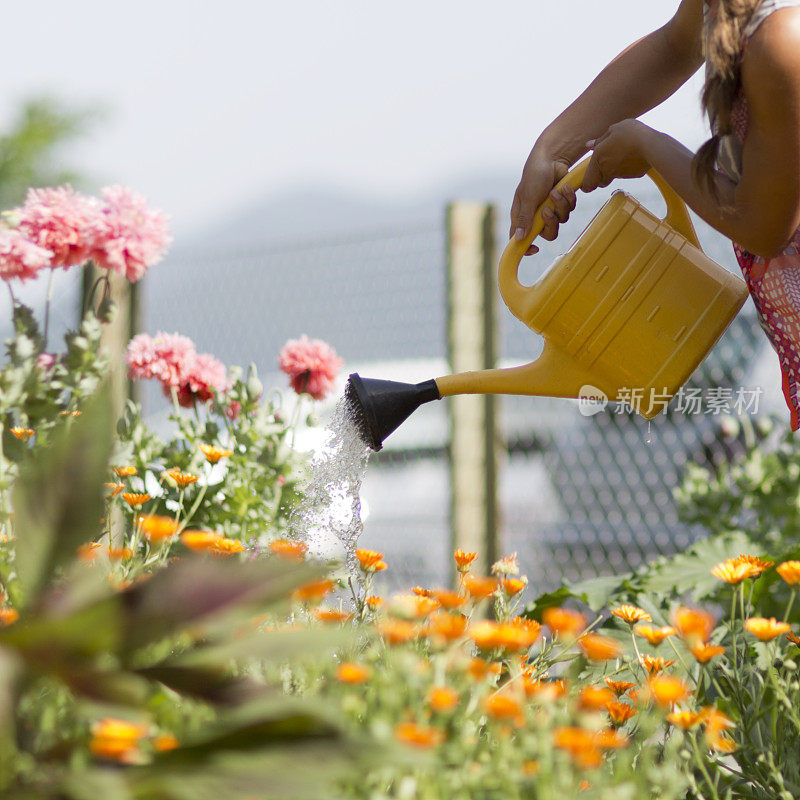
[631, 614]
[693, 624]
[225, 547]
[512, 586]
[115, 739]
[181, 479]
[214, 454]
[503, 635]
[599, 648]
[501, 706]
[374, 602]
[755, 562]
[199, 541]
[594, 698]
[580, 744]
[8, 616]
[22, 433]
[564, 622]
[766, 629]
[685, 719]
[705, 652]
[443, 698]
[157, 528]
[417, 735]
[464, 560]
[790, 572]
[655, 664]
[480, 588]
[164, 742]
[369, 560]
[352, 673]
[667, 689]
[619, 712]
[134, 499]
[619, 687]
[288, 549]
[734, 572]
[449, 627]
[655, 635]
[124, 472]
[449, 599]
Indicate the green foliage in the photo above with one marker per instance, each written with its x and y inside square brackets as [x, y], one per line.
[30, 148]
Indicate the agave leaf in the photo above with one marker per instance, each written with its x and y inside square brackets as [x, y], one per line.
[198, 591]
[58, 498]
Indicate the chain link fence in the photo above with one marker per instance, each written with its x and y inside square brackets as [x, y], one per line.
[578, 496]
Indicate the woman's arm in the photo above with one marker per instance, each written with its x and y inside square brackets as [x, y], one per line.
[761, 212]
[637, 80]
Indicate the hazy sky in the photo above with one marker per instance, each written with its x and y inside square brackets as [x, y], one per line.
[214, 104]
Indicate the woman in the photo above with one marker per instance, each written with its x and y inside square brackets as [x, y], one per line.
[745, 181]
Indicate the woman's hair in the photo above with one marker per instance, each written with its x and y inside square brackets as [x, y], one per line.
[724, 46]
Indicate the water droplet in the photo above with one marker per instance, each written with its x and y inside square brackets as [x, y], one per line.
[649, 437]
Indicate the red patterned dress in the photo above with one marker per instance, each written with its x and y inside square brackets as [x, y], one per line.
[774, 283]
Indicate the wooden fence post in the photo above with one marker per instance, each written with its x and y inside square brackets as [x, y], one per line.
[471, 345]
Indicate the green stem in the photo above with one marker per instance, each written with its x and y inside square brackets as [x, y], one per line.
[701, 763]
[789, 606]
[47, 306]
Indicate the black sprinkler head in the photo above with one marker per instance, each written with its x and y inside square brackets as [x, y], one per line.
[380, 407]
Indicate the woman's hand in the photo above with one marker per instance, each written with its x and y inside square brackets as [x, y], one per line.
[540, 175]
[618, 153]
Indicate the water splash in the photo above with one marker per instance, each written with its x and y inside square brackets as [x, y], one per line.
[328, 518]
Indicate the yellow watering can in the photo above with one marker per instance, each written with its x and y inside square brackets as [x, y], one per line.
[630, 311]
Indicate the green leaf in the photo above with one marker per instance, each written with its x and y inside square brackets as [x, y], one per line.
[535, 609]
[58, 497]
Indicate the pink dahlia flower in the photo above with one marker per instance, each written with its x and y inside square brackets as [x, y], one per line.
[62, 221]
[45, 362]
[20, 258]
[131, 237]
[311, 364]
[173, 360]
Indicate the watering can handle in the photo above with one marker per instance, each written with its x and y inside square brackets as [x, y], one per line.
[517, 297]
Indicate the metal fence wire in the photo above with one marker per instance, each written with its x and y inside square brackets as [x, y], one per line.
[578, 496]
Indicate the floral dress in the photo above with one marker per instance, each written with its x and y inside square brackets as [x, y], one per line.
[774, 283]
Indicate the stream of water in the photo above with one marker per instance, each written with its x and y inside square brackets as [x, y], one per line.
[328, 519]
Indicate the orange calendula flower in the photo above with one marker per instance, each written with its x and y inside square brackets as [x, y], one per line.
[513, 586]
[443, 698]
[619, 712]
[120, 553]
[685, 719]
[352, 673]
[199, 541]
[793, 638]
[464, 560]
[631, 614]
[580, 744]
[22, 433]
[734, 572]
[502, 635]
[89, 552]
[213, 454]
[766, 629]
[115, 739]
[374, 602]
[398, 631]
[313, 591]
[370, 560]
[114, 488]
[705, 652]
[223, 546]
[502, 706]
[594, 698]
[655, 664]
[715, 720]
[722, 743]
[164, 742]
[134, 499]
[332, 615]
[8, 616]
[790, 572]
[157, 528]
[655, 635]
[124, 472]
[288, 549]
[449, 599]
[599, 648]
[611, 739]
[480, 588]
[180, 479]
[422, 592]
[479, 668]
[757, 563]
[667, 689]
[619, 687]
[418, 735]
[693, 624]
[564, 621]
